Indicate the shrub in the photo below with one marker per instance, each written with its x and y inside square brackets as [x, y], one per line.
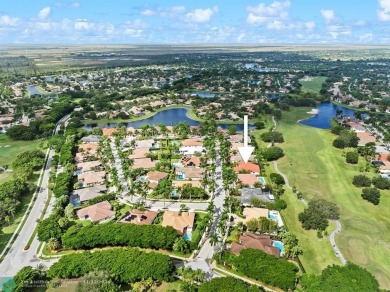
[381, 183]
[267, 268]
[277, 178]
[128, 265]
[272, 137]
[352, 157]
[117, 234]
[372, 195]
[316, 215]
[228, 284]
[339, 143]
[361, 181]
[273, 153]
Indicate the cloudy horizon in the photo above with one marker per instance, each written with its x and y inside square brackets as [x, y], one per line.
[204, 22]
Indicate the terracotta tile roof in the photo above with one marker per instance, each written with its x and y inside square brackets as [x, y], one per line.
[146, 163]
[89, 147]
[155, 176]
[191, 172]
[177, 221]
[92, 177]
[247, 179]
[97, 212]
[139, 217]
[249, 166]
[365, 137]
[88, 165]
[139, 153]
[109, 131]
[191, 142]
[190, 161]
[255, 241]
[255, 213]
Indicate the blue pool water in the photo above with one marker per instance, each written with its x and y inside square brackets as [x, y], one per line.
[168, 117]
[327, 112]
[142, 177]
[273, 217]
[187, 236]
[75, 201]
[78, 172]
[279, 245]
[261, 180]
[174, 194]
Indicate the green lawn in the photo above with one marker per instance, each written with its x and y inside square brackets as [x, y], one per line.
[312, 85]
[9, 149]
[318, 169]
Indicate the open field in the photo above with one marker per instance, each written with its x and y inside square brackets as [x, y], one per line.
[9, 149]
[313, 85]
[318, 169]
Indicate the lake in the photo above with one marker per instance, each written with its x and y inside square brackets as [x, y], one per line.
[327, 111]
[170, 117]
[204, 94]
[33, 90]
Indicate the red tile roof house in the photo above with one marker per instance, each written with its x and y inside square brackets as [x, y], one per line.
[92, 178]
[139, 217]
[247, 179]
[249, 166]
[99, 212]
[181, 222]
[365, 137]
[255, 241]
[108, 132]
[145, 163]
[154, 178]
[192, 173]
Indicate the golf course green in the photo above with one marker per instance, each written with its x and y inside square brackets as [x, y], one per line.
[319, 170]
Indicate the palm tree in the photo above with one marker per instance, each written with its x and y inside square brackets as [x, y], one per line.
[41, 270]
[53, 244]
[214, 239]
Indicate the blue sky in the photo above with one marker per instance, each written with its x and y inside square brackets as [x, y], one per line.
[201, 21]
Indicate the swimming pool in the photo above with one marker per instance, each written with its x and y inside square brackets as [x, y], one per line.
[275, 215]
[142, 177]
[279, 245]
[75, 201]
[261, 180]
[187, 236]
[174, 194]
[78, 172]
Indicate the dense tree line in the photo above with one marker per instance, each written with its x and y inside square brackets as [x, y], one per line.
[317, 214]
[267, 268]
[50, 228]
[41, 128]
[340, 278]
[117, 234]
[228, 284]
[128, 265]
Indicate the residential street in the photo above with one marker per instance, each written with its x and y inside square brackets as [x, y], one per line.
[202, 261]
[17, 257]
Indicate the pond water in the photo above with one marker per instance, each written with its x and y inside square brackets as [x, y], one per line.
[169, 117]
[327, 110]
[204, 94]
[33, 90]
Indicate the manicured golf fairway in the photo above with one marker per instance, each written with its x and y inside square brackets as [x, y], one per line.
[318, 169]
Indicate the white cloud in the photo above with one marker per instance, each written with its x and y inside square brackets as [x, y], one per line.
[262, 14]
[165, 12]
[148, 12]
[240, 37]
[328, 15]
[201, 15]
[383, 11]
[83, 24]
[339, 30]
[310, 25]
[367, 37]
[44, 13]
[75, 5]
[8, 21]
